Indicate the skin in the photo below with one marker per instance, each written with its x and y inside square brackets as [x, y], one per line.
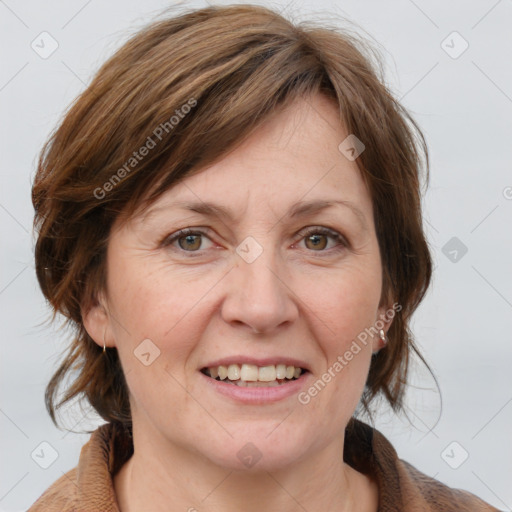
[296, 299]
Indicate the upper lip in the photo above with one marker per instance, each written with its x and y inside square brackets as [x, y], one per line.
[258, 361]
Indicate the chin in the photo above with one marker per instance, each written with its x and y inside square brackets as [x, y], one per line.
[250, 459]
[264, 448]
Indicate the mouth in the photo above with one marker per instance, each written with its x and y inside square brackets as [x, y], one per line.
[251, 375]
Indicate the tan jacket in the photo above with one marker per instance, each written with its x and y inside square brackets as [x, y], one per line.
[89, 487]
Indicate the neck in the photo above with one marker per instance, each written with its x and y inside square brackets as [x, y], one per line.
[162, 477]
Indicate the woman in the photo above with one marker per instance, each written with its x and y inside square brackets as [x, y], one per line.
[230, 218]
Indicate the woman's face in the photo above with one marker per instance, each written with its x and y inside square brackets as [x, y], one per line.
[268, 276]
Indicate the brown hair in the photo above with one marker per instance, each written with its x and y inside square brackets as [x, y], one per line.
[207, 79]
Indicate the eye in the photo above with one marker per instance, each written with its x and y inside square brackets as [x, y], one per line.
[188, 240]
[316, 239]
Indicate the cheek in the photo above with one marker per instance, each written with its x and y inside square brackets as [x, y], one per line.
[346, 303]
[152, 297]
[154, 301]
[345, 313]
[165, 308]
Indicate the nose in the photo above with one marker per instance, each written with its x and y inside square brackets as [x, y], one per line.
[259, 295]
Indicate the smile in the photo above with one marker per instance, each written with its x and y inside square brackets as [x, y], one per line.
[251, 375]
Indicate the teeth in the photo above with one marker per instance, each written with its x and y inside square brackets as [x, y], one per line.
[233, 372]
[267, 373]
[249, 372]
[222, 371]
[281, 371]
[270, 384]
[250, 375]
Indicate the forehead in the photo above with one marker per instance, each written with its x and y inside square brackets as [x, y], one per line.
[291, 161]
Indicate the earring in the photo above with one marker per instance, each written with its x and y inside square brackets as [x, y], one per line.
[104, 348]
[383, 337]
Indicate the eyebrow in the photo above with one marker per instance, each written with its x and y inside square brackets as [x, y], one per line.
[297, 210]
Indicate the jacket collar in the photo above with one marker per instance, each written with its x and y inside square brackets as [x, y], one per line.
[90, 486]
[111, 445]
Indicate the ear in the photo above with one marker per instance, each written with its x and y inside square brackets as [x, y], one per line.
[385, 315]
[96, 321]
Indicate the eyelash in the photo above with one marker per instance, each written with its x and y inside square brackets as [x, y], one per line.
[337, 237]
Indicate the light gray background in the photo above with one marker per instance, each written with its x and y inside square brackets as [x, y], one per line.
[464, 106]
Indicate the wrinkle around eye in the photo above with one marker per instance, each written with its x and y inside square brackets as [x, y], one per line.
[340, 241]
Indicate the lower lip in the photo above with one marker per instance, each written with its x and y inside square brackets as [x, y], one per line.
[258, 395]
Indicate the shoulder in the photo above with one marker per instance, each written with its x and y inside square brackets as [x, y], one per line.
[436, 495]
[89, 486]
[60, 496]
[402, 487]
